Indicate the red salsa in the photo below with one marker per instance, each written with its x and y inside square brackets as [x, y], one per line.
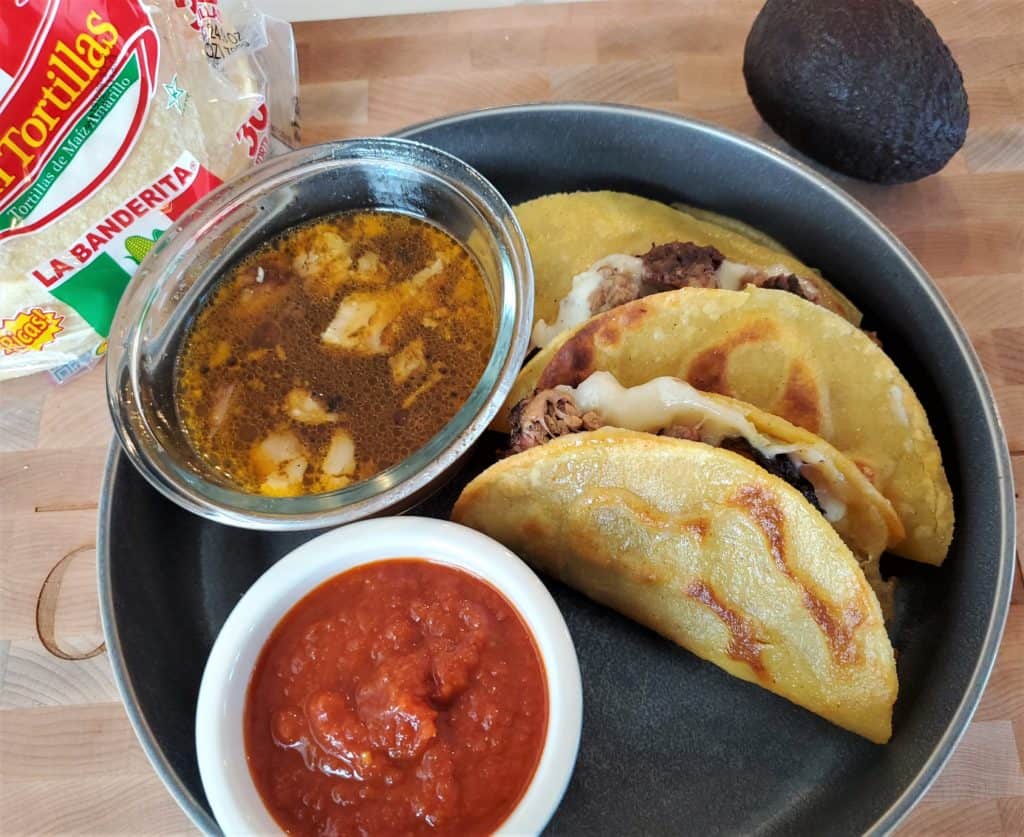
[400, 697]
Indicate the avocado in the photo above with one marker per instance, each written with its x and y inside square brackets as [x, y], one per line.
[866, 87]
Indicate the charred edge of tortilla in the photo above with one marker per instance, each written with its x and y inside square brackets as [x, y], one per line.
[573, 362]
[744, 643]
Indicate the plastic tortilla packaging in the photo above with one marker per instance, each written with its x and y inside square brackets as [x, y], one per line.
[116, 116]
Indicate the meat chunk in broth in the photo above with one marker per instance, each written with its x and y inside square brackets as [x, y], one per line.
[408, 362]
[370, 321]
[280, 461]
[303, 407]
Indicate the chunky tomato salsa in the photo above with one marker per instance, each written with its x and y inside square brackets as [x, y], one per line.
[399, 697]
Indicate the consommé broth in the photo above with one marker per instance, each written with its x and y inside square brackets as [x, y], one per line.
[333, 352]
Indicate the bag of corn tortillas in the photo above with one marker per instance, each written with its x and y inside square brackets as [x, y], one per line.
[115, 116]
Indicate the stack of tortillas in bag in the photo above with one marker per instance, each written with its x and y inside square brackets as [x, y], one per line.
[115, 117]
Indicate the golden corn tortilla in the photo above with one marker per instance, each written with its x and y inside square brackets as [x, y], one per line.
[672, 534]
[568, 232]
[788, 357]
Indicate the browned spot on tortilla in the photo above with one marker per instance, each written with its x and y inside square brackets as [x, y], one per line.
[762, 508]
[801, 400]
[608, 331]
[707, 370]
[744, 644]
[574, 360]
[697, 527]
[646, 513]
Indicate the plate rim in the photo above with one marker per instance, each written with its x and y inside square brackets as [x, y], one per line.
[112, 637]
[995, 437]
[996, 434]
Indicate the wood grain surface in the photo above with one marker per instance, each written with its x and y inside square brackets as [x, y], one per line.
[69, 762]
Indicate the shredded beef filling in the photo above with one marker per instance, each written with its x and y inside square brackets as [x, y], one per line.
[681, 264]
[550, 413]
[684, 264]
[546, 415]
[681, 431]
[788, 282]
[616, 288]
[780, 282]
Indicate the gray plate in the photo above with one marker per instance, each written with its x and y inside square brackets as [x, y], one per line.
[670, 743]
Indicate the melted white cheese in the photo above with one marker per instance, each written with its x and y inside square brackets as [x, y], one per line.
[730, 275]
[574, 307]
[831, 488]
[663, 402]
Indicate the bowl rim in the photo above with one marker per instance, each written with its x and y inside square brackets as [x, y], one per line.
[394, 488]
[254, 617]
[994, 437]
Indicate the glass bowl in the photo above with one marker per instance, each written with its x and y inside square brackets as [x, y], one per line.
[179, 273]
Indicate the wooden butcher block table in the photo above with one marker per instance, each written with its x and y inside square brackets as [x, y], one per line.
[69, 761]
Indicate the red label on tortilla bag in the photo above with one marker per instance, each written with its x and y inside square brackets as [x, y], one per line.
[72, 104]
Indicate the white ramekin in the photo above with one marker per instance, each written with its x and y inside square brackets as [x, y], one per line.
[220, 742]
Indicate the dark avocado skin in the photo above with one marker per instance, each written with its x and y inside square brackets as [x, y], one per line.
[866, 87]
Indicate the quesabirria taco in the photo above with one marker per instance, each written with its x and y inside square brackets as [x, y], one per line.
[786, 356]
[707, 548]
[592, 251]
